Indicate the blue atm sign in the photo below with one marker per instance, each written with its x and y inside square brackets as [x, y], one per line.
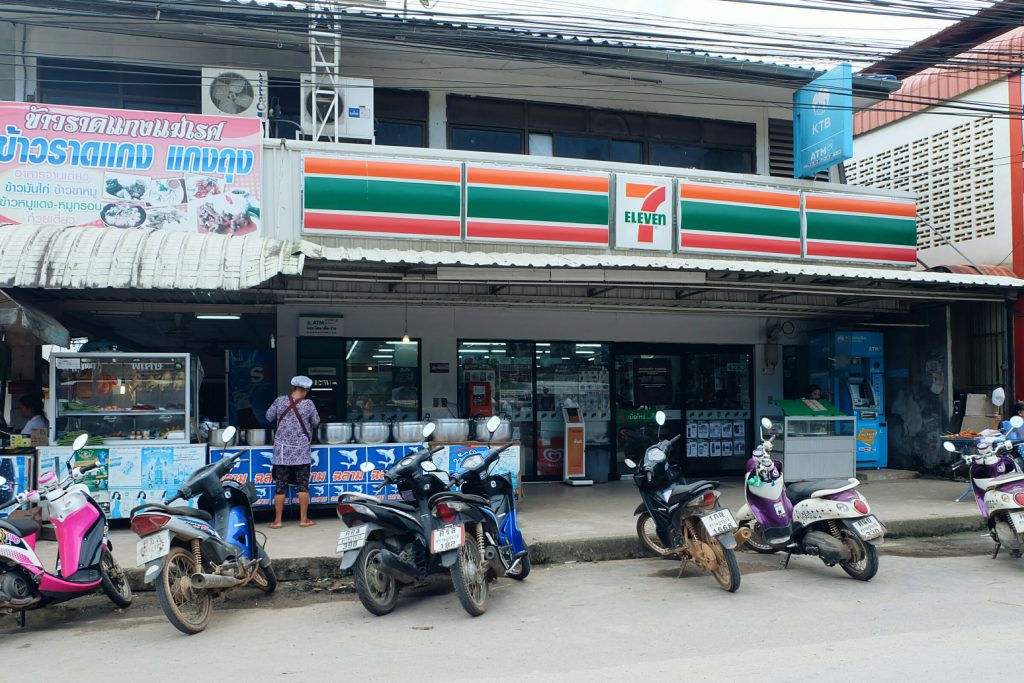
[823, 122]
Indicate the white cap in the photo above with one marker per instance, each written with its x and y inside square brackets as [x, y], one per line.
[302, 382]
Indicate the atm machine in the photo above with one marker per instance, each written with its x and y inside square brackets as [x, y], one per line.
[574, 462]
[850, 369]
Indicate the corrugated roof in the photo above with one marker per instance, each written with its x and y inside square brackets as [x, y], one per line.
[655, 263]
[938, 84]
[87, 258]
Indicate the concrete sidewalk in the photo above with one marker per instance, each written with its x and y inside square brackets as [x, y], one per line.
[563, 523]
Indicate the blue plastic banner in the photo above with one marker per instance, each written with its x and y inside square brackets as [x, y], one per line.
[823, 122]
[251, 387]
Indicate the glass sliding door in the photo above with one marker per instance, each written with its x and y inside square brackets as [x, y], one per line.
[382, 380]
[644, 384]
[718, 388]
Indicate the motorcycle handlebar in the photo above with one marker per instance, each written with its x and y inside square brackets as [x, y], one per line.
[675, 438]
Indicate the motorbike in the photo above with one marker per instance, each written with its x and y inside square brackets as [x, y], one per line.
[84, 559]
[689, 522]
[195, 553]
[998, 485]
[827, 518]
[485, 505]
[391, 544]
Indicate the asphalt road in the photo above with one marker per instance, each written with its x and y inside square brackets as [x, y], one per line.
[920, 618]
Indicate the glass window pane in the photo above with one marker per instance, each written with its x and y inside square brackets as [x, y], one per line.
[627, 151]
[383, 379]
[729, 160]
[554, 117]
[474, 140]
[579, 147]
[399, 134]
[541, 145]
[676, 155]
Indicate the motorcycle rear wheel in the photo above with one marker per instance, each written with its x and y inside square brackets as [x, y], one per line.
[866, 567]
[647, 530]
[469, 576]
[524, 569]
[727, 573]
[188, 609]
[265, 579]
[376, 590]
[113, 580]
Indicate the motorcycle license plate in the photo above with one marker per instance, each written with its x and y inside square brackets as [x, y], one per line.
[868, 528]
[352, 539]
[446, 538]
[153, 547]
[719, 522]
[1018, 521]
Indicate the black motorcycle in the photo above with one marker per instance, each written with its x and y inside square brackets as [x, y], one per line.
[687, 519]
[389, 544]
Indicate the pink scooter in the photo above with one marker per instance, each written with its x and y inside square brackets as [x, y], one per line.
[84, 560]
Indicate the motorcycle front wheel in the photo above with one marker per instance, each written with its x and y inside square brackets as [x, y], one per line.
[376, 590]
[647, 530]
[865, 568]
[265, 579]
[114, 581]
[523, 569]
[757, 541]
[469, 575]
[188, 609]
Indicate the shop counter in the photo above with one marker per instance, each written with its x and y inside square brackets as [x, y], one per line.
[128, 476]
[17, 467]
[336, 469]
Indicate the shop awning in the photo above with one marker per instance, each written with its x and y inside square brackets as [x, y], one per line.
[503, 266]
[95, 258]
[24, 324]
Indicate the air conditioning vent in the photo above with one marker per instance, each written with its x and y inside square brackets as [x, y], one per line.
[780, 150]
[353, 109]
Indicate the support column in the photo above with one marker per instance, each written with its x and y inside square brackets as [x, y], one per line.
[1017, 223]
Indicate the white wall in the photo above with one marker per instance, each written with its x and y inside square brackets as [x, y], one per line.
[440, 328]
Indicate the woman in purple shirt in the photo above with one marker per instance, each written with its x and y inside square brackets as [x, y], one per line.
[296, 419]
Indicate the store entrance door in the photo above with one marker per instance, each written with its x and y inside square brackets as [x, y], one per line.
[644, 384]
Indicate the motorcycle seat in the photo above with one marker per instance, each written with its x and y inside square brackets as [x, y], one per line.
[22, 526]
[404, 507]
[817, 488]
[684, 492]
[176, 511]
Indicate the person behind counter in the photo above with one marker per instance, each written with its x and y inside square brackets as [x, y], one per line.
[296, 418]
[31, 408]
[813, 393]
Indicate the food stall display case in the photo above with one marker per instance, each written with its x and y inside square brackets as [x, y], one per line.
[140, 412]
[124, 398]
[816, 440]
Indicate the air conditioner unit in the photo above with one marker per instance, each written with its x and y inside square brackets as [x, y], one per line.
[234, 92]
[353, 110]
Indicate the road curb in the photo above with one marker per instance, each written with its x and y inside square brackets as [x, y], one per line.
[584, 550]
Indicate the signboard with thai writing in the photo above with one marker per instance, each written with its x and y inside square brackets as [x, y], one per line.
[321, 326]
[730, 218]
[643, 212]
[373, 198]
[823, 122]
[64, 166]
[536, 206]
[850, 228]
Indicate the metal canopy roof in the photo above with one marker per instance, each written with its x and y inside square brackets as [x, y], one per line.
[98, 258]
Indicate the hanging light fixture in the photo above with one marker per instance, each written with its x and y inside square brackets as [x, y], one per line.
[405, 335]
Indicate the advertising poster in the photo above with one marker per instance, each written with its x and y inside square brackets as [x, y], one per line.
[251, 387]
[652, 381]
[643, 212]
[112, 168]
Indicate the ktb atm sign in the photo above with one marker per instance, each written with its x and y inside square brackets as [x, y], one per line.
[643, 213]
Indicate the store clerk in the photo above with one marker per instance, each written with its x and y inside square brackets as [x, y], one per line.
[296, 419]
[31, 408]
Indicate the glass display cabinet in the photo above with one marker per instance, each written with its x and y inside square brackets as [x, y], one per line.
[125, 398]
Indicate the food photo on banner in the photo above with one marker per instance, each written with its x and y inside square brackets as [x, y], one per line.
[113, 168]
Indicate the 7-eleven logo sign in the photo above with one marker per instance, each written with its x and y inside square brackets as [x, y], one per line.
[643, 214]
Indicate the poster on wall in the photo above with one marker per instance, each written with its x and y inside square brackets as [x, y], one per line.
[113, 168]
[652, 381]
[643, 206]
[251, 387]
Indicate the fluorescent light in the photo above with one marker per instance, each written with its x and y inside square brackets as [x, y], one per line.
[401, 343]
[593, 346]
[474, 351]
[383, 356]
[351, 349]
[212, 316]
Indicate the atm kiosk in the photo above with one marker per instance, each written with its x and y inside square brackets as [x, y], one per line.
[850, 366]
[574, 464]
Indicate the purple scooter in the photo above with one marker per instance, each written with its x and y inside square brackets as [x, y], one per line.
[827, 518]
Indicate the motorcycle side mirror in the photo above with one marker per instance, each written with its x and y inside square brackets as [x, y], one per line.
[228, 435]
[80, 442]
[998, 397]
[766, 423]
[630, 464]
[428, 430]
[659, 417]
[949, 446]
[1017, 422]
[493, 424]
[366, 467]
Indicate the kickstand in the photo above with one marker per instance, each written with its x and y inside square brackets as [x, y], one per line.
[21, 619]
[998, 546]
[785, 562]
[682, 566]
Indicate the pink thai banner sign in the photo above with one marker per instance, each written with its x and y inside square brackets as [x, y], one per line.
[115, 168]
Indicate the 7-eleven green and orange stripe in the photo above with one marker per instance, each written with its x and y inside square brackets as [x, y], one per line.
[857, 229]
[366, 197]
[726, 218]
[536, 206]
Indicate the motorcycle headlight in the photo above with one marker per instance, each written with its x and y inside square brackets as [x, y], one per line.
[654, 455]
[472, 462]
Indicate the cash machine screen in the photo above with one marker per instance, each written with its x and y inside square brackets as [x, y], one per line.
[572, 414]
[862, 396]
